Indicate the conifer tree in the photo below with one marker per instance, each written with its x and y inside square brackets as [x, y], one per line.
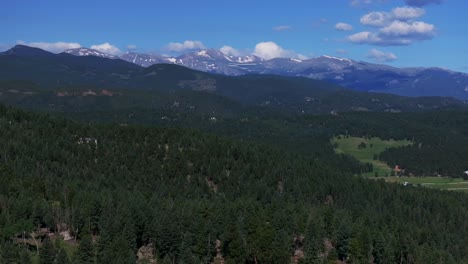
[62, 257]
[47, 252]
[313, 244]
[85, 251]
[25, 258]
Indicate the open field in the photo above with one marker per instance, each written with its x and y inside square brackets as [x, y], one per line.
[374, 146]
[453, 184]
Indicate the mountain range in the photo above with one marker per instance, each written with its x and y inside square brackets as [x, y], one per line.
[357, 75]
[32, 77]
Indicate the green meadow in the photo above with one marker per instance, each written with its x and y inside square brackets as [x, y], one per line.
[364, 150]
[373, 146]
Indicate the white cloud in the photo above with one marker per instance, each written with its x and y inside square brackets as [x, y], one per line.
[107, 48]
[407, 13]
[55, 47]
[415, 29]
[270, 50]
[397, 27]
[282, 28]
[343, 27]
[397, 33]
[230, 51]
[131, 47]
[422, 2]
[380, 19]
[363, 37]
[376, 19]
[186, 45]
[380, 56]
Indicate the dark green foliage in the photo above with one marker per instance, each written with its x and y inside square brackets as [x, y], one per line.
[362, 145]
[166, 260]
[47, 252]
[314, 243]
[342, 240]
[62, 257]
[26, 259]
[9, 253]
[85, 252]
[181, 191]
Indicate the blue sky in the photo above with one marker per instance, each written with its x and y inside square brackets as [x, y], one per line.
[396, 32]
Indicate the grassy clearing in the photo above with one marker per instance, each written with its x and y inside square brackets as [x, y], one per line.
[451, 184]
[375, 146]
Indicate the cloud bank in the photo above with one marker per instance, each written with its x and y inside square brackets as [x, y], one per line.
[380, 56]
[343, 27]
[230, 51]
[107, 48]
[397, 27]
[55, 47]
[270, 50]
[380, 19]
[185, 46]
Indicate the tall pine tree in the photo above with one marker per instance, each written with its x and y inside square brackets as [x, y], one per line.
[85, 252]
[47, 252]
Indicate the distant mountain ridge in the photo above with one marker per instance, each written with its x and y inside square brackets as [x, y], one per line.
[357, 75]
[89, 52]
[28, 74]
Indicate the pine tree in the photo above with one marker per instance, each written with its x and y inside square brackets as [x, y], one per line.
[62, 257]
[342, 241]
[378, 251]
[359, 245]
[121, 251]
[47, 252]
[313, 244]
[185, 255]
[166, 260]
[25, 258]
[85, 251]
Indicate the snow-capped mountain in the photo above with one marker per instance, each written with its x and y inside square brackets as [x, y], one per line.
[146, 60]
[212, 60]
[89, 52]
[357, 75]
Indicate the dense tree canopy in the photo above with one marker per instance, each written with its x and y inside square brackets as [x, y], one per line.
[194, 198]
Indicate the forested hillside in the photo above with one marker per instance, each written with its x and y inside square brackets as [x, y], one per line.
[189, 197]
[440, 138]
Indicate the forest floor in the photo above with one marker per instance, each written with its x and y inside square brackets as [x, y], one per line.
[354, 146]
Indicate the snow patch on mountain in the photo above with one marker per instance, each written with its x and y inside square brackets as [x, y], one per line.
[89, 52]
